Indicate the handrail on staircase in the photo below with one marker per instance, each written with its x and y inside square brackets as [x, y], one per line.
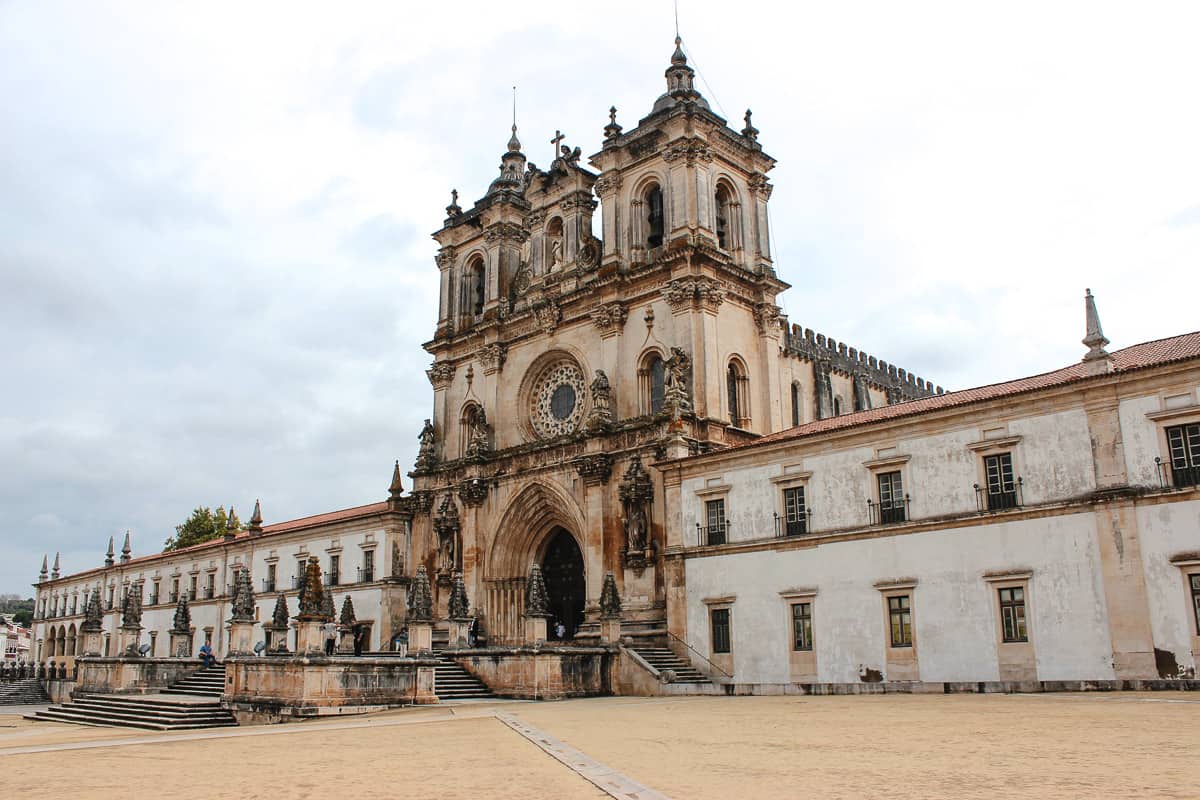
[697, 652]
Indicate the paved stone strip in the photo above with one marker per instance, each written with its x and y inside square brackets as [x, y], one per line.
[607, 779]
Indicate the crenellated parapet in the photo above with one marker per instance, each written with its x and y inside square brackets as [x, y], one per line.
[898, 384]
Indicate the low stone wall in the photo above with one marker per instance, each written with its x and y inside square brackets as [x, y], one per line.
[124, 675]
[59, 691]
[289, 688]
[549, 672]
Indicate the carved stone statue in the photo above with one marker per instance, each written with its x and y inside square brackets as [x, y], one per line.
[636, 492]
[479, 434]
[601, 414]
[556, 254]
[677, 396]
[447, 526]
[397, 560]
[426, 452]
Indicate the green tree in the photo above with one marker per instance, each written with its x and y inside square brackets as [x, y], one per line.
[203, 525]
[23, 618]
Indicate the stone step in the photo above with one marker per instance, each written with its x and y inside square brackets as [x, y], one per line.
[82, 717]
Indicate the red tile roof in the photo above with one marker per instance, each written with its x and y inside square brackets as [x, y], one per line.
[1147, 354]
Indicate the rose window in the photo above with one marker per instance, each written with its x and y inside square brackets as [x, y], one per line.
[557, 400]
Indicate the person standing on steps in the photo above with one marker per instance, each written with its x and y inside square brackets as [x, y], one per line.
[330, 630]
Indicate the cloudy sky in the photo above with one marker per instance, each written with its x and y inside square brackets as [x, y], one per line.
[215, 263]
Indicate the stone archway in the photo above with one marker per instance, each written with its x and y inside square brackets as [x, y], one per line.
[563, 570]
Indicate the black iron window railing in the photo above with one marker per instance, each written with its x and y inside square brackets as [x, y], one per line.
[793, 524]
[366, 574]
[295, 582]
[708, 535]
[331, 579]
[174, 597]
[893, 511]
[191, 595]
[999, 497]
[208, 592]
[268, 584]
[154, 599]
[1179, 477]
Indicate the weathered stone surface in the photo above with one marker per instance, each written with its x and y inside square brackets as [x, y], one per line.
[420, 599]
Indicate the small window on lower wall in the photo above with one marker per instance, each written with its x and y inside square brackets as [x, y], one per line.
[802, 631]
[1012, 614]
[900, 614]
[720, 630]
[1194, 580]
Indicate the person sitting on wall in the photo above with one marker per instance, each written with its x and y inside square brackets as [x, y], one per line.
[206, 655]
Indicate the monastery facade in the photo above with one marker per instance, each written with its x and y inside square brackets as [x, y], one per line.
[774, 506]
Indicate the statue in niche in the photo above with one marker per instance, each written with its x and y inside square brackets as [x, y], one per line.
[397, 560]
[601, 414]
[676, 397]
[556, 256]
[636, 492]
[426, 453]
[478, 434]
[447, 555]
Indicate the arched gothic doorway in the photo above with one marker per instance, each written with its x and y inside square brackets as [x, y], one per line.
[562, 568]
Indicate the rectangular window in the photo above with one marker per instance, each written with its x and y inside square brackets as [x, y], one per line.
[111, 590]
[891, 498]
[192, 588]
[1183, 444]
[795, 512]
[335, 563]
[1012, 614]
[154, 593]
[210, 585]
[715, 528]
[270, 581]
[1001, 486]
[802, 638]
[175, 590]
[720, 630]
[1195, 580]
[900, 613]
[368, 569]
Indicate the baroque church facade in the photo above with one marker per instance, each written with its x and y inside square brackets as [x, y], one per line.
[565, 364]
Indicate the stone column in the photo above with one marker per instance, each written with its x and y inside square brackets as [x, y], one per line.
[241, 638]
[420, 638]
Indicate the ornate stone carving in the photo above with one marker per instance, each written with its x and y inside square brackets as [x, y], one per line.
[610, 599]
[547, 315]
[447, 526]
[426, 448]
[759, 185]
[445, 257]
[609, 318]
[440, 374]
[677, 395]
[766, 317]
[458, 607]
[601, 416]
[347, 618]
[479, 435]
[312, 592]
[279, 617]
[636, 492]
[422, 501]
[679, 293]
[473, 491]
[397, 559]
[595, 469]
[93, 613]
[327, 609]
[608, 183]
[691, 150]
[588, 256]
[243, 597]
[537, 601]
[682, 293]
[557, 398]
[505, 232]
[711, 293]
[420, 599]
[492, 358]
[131, 608]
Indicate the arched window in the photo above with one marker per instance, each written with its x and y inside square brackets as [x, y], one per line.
[724, 218]
[652, 380]
[795, 403]
[737, 387]
[478, 284]
[555, 254]
[654, 217]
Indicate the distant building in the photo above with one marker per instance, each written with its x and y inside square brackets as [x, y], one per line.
[14, 640]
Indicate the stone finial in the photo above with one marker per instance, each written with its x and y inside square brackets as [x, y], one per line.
[347, 619]
[610, 599]
[312, 593]
[453, 210]
[612, 130]
[182, 623]
[279, 617]
[243, 597]
[45, 569]
[93, 613]
[131, 608]
[109, 558]
[328, 611]
[231, 524]
[396, 489]
[537, 601]
[55, 571]
[126, 549]
[1095, 339]
[459, 606]
[256, 519]
[420, 599]
[750, 132]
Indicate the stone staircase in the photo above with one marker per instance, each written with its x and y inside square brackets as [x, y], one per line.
[452, 682]
[28, 692]
[191, 703]
[663, 659]
[202, 683]
[149, 712]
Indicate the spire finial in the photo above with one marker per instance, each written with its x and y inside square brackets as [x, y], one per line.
[612, 130]
[1097, 358]
[256, 519]
[678, 58]
[453, 210]
[514, 144]
[750, 132]
[45, 568]
[126, 549]
[55, 571]
[108, 556]
[397, 487]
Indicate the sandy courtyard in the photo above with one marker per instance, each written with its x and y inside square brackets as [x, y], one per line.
[969, 746]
